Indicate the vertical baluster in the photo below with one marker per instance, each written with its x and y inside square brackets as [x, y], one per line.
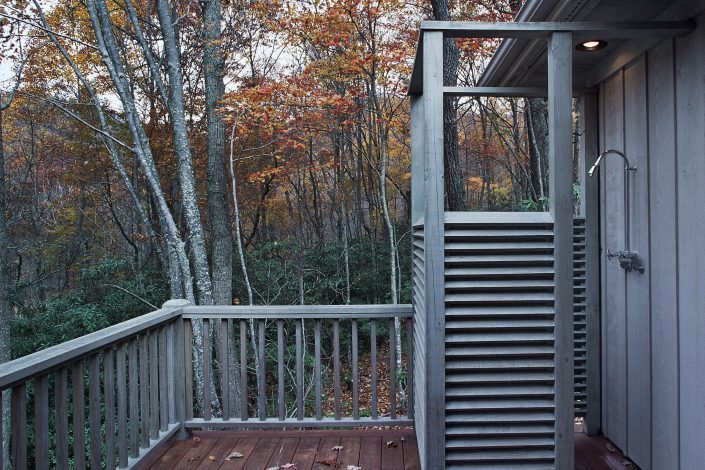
[79, 435]
[163, 399]
[62, 418]
[207, 356]
[109, 394]
[134, 400]
[225, 367]
[410, 368]
[171, 373]
[336, 367]
[19, 426]
[188, 368]
[261, 397]
[392, 369]
[41, 422]
[244, 411]
[182, 374]
[2, 429]
[373, 367]
[144, 390]
[94, 409]
[154, 384]
[356, 372]
[120, 373]
[280, 368]
[317, 368]
[299, 371]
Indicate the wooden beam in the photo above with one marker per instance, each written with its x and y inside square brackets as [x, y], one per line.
[602, 30]
[501, 92]
[560, 163]
[434, 252]
[591, 210]
[335, 312]
[417, 158]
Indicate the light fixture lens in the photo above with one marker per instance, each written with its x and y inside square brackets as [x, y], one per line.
[591, 45]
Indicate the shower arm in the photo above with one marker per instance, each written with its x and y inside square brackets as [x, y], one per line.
[627, 169]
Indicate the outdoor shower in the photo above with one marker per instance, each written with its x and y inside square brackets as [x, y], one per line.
[628, 260]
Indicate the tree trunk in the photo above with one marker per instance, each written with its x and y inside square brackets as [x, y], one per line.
[221, 237]
[454, 187]
[5, 310]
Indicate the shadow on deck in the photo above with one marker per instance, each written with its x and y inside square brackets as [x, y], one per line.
[368, 449]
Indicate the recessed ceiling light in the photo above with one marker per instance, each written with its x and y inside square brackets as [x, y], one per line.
[591, 45]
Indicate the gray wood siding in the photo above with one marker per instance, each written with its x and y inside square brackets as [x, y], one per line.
[579, 318]
[653, 325]
[499, 341]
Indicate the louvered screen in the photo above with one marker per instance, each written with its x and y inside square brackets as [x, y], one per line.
[579, 316]
[419, 333]
[499, 342]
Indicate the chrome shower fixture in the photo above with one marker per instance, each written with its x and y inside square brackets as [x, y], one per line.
[628, 259]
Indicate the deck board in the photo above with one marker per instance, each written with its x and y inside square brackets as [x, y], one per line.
[308, 449]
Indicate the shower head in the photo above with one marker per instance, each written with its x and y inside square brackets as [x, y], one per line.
[594, 167]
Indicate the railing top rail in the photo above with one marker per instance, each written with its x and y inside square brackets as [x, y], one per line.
[279, 312]
[27, 367]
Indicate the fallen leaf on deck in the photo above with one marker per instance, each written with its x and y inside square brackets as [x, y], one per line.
[273, 468]
[353, 467]
[626, 463]
[391, 444]
[292, 466]
[211, 458]
[402, 438]
[327, 462]
[234, 455]
[611, 447]
[337, 448]
[196, 439]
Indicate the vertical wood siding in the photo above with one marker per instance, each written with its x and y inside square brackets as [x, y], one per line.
[653, 325]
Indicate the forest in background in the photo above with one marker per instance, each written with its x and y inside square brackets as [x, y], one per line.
[229, 152]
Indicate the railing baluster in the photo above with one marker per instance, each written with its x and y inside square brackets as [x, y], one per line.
[280, 369]
[410, 368]
[207, 411]
[154, 384]
[182, 374]
[19, 426]
[62, 418]
[299, 371]
[317, 369]
[225, 368]
[261, 396]
[163, 399]
[188, 368]
[373, 368]
[171, 373]
[336, 367]
[244, 411]
[121, 371]
[109, 394]
[79, 419]
[134, 400]
[41, 422]
[356, 372]
[94, 409]
[392, 369]
[144, 389]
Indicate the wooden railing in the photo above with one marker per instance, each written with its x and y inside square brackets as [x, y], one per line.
[144, 380]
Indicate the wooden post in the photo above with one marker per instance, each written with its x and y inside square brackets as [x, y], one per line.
[591, 205]
[560, 151]
[179, 368]
[434, 232]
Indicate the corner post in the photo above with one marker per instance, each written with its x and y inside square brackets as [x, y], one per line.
[417, 158]
[179, 368]
[560, 151]
[434, 237]
[591, 207]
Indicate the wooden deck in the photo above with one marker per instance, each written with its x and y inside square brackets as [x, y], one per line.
[367, 449]
[261, 450]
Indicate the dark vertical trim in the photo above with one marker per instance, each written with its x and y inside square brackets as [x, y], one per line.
[677, 238]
